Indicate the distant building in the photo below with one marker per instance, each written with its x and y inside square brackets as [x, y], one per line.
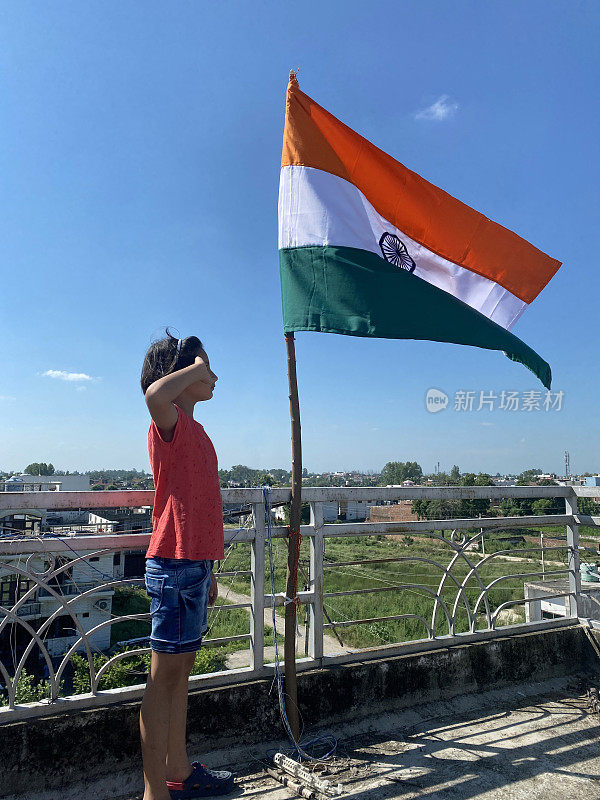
[131, 563]
[331, 512]
[45, 483]
[592, 480]
[121, 520]
[72, 582]
[539, 608]
[34, 519]
[397, 512]
[348, 510]
[354, 510]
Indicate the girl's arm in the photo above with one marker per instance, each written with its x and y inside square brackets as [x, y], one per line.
[160, 394]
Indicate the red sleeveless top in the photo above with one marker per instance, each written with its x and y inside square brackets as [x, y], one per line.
[187, 519]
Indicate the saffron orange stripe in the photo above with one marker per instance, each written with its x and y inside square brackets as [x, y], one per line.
[315, 138]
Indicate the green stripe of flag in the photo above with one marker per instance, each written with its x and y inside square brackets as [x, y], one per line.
[354, 292]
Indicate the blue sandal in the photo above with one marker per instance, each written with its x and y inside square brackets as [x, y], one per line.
[202, 782]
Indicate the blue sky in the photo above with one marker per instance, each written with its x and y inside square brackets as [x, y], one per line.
[139, 153]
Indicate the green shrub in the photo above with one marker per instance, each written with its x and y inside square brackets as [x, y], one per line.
[210, 659]
[130, 600]
[28, 690]
[134, 670]
[124, 672]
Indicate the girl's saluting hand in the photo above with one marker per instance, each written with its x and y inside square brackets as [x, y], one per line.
[205, 374]
[186, 385]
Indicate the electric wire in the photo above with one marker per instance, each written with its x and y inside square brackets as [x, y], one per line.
[299, 748]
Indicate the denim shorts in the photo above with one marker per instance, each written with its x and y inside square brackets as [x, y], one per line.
[178, 589]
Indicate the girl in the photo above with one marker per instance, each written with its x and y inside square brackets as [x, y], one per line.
[187, 536]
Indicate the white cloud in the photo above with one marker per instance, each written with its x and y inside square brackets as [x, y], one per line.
[61, 375]
[443, 108]
[7, 397]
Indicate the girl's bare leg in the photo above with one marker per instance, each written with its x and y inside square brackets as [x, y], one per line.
[166, 671]
[178, 763]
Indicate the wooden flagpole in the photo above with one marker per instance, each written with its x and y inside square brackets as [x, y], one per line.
[291, 686]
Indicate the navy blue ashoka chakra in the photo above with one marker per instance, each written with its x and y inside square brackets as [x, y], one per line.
[394, 250]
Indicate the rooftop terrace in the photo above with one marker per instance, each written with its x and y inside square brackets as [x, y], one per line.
[538, 742]
[437, 686]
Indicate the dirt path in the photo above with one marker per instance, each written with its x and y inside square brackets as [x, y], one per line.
[524, 558]
[241, 658]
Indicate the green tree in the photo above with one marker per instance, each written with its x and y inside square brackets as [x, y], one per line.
[454, 476]
[473, 508]
[419, 507]
[39, 468]
[440, 478]
[588, 506]
[524, 506]
[462, 509]
[542, 506]
[304, 514]
[510, 507]
[128, 478]
[282, 476]
[527, 476]
[436, 509]
[396, 472]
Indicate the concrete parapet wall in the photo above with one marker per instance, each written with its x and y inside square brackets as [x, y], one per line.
[56, 751]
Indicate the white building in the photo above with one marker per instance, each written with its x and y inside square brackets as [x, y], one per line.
[354, 510]
[556, 606]
[101, 523]
[332, 511]
[45, 483]
[32, 518]
[81, 583]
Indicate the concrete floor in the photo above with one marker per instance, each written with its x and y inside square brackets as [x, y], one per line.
[535, 741]
[546, 747]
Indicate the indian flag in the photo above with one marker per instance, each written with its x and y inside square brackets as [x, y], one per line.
[369, 248]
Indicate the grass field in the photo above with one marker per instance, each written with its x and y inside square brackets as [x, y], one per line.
[221, 623]
[412, 584]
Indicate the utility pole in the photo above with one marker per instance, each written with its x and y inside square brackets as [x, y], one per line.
[567, 465]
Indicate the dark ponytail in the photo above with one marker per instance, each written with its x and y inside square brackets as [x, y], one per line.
[163, 357]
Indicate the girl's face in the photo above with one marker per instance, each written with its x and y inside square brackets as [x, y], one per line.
[203, 390]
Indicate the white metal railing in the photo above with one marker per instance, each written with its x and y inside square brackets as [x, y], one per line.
[49, 582]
